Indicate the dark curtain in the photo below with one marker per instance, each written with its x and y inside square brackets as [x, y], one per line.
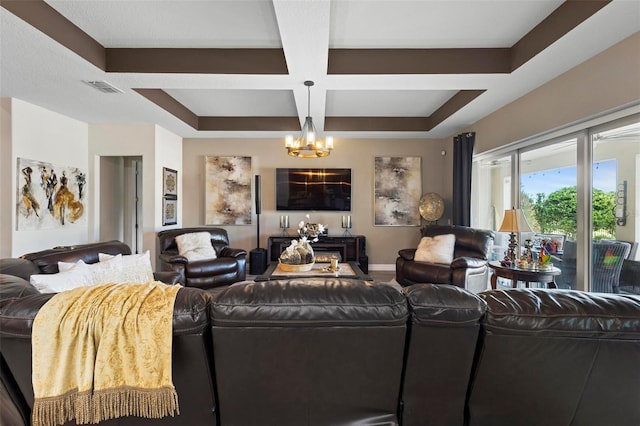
[462, 163]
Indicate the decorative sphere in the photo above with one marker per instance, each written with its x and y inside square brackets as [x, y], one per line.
[431, 206]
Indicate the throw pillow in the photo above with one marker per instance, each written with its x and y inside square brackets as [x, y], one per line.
[108, 271]
[78, 276]
[438, 249]
[65, 266]
[136, 268]
[195, 246]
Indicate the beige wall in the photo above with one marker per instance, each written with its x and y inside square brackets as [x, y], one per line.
[604, 82]
[6, 189]
[383, 243]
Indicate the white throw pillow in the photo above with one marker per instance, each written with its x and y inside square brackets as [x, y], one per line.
[65, 266]
[438, 249]
[105, 272]
[195, 246]
[78, 276]
[136, 268]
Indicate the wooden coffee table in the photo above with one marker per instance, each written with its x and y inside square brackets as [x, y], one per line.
[347, 270]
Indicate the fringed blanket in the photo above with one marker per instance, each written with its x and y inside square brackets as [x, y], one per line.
[103, 352]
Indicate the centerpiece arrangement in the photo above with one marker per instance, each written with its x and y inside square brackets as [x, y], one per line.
[299, 255]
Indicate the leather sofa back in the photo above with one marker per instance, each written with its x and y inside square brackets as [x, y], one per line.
[557, 358]
[445, 322]
[191, 367]
[167, 238]
[47, 260]
[470, 242]
[309, 351]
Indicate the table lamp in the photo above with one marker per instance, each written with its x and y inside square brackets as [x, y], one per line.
[514, 222]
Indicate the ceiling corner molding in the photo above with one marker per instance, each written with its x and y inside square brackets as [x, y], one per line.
[197, 61]
[454, 104]
[47, 20]
[169, 104]
[402, 124]
[566, 17]
[419, 61]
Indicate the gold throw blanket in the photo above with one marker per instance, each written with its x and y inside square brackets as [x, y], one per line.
[103, 352]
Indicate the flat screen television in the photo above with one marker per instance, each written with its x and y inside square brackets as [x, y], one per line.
[313, 189]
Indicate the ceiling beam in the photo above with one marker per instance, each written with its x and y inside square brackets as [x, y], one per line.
[169, 104]
[376, 124]
[197, 61]
[418, 61]
[285, 124]
[566, 17]
[49, 21]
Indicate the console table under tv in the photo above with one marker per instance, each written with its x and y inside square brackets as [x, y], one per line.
[351, 248]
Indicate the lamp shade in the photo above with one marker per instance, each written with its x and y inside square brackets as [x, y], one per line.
[514, 221]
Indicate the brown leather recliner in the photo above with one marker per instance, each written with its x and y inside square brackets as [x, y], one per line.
[227, 268]
[468, 269]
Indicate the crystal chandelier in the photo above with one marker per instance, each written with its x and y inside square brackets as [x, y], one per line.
[307, 146]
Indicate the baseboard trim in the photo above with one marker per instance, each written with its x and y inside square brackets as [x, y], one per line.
[382, 267]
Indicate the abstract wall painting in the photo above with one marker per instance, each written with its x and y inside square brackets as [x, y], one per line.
[397, 191]
[50, 195]
[227, 190]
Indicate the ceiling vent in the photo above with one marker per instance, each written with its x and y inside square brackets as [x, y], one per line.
[103, 86]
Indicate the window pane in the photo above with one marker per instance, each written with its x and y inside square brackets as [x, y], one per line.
[492, 195]
[616, 155]
[548, 199]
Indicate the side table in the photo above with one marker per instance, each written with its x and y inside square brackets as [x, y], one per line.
[515, 274]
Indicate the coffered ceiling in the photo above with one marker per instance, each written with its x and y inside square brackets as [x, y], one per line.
[382, 68]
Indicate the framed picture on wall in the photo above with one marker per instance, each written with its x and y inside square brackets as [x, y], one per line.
[169, 211]
[169, 182]
[397, 191]
[50, 195]
[227, 194]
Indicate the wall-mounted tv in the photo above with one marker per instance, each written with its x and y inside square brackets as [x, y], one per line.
[313, 189]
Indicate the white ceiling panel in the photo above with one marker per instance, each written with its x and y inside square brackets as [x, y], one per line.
[385, 103]
[175, 23]
[233, 103]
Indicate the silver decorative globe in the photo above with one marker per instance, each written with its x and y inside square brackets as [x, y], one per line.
[431, 207]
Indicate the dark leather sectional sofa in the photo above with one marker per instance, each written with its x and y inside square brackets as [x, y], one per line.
[346, 352]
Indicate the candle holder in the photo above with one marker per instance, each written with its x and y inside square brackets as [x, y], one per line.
[284, 224]
[346, 224]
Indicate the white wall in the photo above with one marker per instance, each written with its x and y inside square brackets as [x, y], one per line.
[383, 242]
[169, 155]
[39, 134]
[158, 148]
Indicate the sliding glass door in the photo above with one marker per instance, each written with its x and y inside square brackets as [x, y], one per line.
[580, 191]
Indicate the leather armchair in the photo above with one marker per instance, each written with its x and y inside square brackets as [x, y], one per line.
[468, 269]
[227, 268]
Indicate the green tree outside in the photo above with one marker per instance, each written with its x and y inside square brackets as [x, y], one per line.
[558, 212]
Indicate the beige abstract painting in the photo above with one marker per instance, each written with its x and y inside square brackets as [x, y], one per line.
[397, 191]
[227, 190]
